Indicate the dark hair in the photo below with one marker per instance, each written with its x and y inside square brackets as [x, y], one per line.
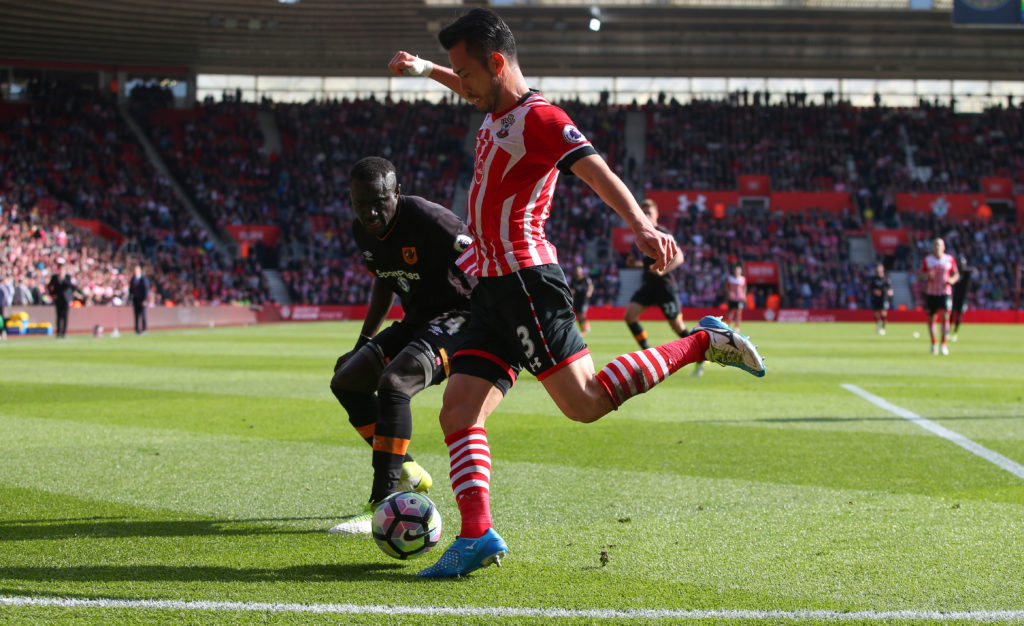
[484, 33]
[370, 169]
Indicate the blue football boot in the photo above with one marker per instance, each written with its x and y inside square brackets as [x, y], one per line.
[468, 555]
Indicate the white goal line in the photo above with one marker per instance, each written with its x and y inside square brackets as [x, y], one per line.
[466, 611]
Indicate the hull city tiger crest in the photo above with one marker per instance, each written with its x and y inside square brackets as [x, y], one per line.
[409, 255]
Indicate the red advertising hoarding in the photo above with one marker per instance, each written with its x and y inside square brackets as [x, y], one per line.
[997, 188]
[754, 184]
[959, 205]
[761, 272]
[622, 240]
[886, 241]
[252, 233]
[672, 203]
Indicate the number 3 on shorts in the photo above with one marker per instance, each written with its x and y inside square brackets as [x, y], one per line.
[524, 337]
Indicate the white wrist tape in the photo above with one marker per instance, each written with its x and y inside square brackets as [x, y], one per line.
[420, 67]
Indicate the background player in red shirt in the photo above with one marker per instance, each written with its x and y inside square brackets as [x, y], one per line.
[522, 308]
[939, 271]
[735, 297]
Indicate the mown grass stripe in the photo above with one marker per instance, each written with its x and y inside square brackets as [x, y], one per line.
[993, 457]
[466, 611]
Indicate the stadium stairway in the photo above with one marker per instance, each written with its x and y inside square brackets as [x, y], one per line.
[278, 290]
[468, 148]
[862, 250]
[271, 134]
[158, 163]
[629, 282]
[636, 144]
[901, 292]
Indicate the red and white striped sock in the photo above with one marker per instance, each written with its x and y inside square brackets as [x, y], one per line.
[634, 373]
[471, 479]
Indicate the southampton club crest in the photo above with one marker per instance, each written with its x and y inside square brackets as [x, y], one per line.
[506, 124]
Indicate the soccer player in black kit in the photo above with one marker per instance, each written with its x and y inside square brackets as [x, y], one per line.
[881, 295]
[658, 290]
[409, 245]
[582, 288]
[960, 290]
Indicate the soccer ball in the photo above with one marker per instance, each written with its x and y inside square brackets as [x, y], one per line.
[406, 525]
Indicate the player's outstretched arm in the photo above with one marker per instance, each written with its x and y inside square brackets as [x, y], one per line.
[659, 246]
[406, 64]
[381, 299]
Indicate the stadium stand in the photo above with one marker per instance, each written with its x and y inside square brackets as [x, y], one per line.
[70, 162]
[59, 156]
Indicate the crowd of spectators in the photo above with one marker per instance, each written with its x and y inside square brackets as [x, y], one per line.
[70, 155]
[34, 244]
[707, 144]
[951, 153]
[218, 150]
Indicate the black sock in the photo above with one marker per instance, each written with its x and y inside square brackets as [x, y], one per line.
[392, 434]
[639, 334]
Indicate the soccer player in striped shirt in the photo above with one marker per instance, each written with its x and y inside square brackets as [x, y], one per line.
[522, 308]
[940, 273]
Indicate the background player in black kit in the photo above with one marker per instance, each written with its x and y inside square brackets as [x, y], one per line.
[582, 288]
[410, 245]
[960, 291]
[881, 296]
[658, 290]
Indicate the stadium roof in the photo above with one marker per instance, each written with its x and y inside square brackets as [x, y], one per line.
[748, 38]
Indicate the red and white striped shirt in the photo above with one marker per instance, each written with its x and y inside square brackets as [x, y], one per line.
[938, 269]
[518, 155]
[737, 288]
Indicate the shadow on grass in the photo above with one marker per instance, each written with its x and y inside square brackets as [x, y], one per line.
[98, 527]
[327, 572]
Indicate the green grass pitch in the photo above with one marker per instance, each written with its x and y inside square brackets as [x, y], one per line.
[204, 465]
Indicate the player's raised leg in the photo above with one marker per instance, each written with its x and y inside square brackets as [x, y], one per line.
[585, 396]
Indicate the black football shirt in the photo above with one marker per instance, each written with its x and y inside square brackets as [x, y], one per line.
[416, 256]
[650, 280]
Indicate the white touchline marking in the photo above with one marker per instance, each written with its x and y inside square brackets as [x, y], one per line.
[1009, 465]
[470, 611]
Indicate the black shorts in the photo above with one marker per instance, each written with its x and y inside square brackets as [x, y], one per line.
[959, 305]
[521, 320]
[735, 304]
[934, 304]
[433, 342]
[661, 298]
[579, 306]
[879, 304]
